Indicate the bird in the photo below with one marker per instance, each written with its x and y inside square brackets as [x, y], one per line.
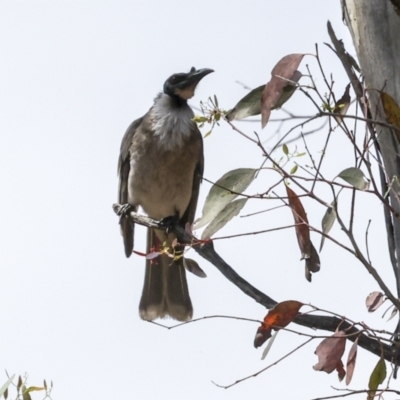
[160, 169]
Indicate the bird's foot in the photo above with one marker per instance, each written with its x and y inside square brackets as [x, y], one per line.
[169, 222]
[124, 210]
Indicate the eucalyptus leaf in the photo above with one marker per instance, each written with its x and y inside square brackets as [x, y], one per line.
[355, 177]
[377, 377]
[285, 149]
[223, 217]
[25, 393]
[6, 385]
[327, 221]
[393, 313]
[220, 193]
[288, 91]
[269, 345]
[248, 106]
[193, 267]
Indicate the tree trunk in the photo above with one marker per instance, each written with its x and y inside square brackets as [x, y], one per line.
[375, 29]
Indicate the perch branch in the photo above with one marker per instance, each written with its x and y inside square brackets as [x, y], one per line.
[327, 323]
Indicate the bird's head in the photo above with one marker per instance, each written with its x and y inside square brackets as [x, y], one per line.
[183, 85]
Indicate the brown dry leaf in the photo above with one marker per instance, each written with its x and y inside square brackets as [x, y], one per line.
[193, 267]
[343, 104]
[300, 218]
[351, 361]
[285, 70]
[340, 370]
[392, 111]
[330, 352]
[278, 317]
[374, 301]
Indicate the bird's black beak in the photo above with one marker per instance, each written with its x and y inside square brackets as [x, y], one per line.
[183, 85]
[195, 76]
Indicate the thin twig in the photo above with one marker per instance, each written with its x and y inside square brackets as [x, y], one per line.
[266, 368]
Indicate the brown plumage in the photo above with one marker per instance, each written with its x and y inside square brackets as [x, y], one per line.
[160, 169]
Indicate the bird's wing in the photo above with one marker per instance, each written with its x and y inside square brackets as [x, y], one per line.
[124, 161]
[127, 227]
[190, 212]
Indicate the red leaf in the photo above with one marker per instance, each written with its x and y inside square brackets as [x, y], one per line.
[340, 370]
[188, 228]
[307, 249]
[301, 221]
[262, 335]
[278, 317]
[283, 71]
[152, 255]
[374, 301]
[330, 352]
[351, 361]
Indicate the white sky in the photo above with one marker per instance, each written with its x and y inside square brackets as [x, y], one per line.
[73, 76]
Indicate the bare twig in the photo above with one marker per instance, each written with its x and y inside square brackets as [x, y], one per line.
[266, 368]
[206, 250]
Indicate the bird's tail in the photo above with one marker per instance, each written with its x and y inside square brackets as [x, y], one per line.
[127, 232]
[165, 290]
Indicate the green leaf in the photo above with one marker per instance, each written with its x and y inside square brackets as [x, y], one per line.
[25, 393]
[19, 384]
[223, 217]
[215, 101]
[6, 385]
[199, 119]
[393, 314]
[269, 345]
[328, 220]
[207, 134]
[293, 170]
[220, 194]
[288, 91]
[377, 377]
[248, 106]
[355, 177]
[34, 388]
[285, 149]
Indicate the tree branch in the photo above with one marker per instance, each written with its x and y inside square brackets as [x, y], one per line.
[327, 323]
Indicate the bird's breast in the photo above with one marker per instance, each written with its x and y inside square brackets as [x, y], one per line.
[161, 180]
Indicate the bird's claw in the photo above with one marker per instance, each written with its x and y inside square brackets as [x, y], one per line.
[124, 210]
[169, 222]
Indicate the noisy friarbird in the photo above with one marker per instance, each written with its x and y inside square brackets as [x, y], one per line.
[160, 169]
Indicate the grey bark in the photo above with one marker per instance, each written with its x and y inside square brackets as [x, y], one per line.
[375, 28]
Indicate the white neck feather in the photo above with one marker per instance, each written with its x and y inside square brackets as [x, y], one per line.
[172, 124]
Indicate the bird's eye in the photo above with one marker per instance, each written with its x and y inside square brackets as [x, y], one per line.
[173, 78]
